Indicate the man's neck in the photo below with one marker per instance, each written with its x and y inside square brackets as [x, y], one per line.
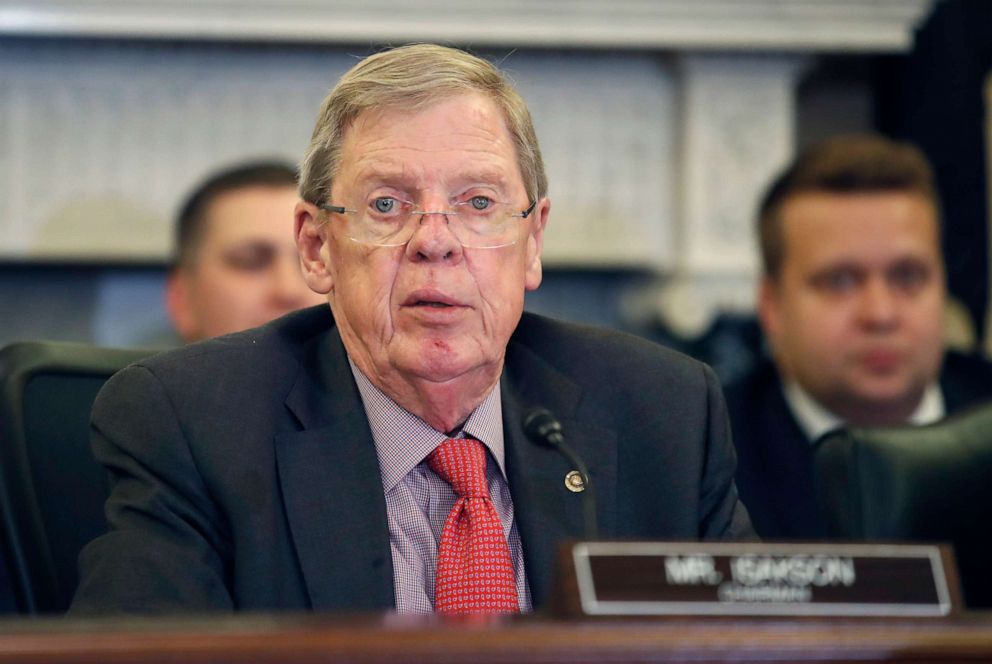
[444, 405]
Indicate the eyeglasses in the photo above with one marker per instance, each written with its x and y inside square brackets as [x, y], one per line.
[478, 222]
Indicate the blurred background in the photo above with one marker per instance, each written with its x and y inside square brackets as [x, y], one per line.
[661, 122]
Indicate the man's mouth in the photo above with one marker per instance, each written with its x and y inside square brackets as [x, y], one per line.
[882, 361]
[431, 299]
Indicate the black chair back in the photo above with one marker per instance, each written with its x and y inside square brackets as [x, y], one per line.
[51, 488]
[929, 483]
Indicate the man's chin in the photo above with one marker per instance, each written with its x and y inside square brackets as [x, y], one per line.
[893, 387]
[436, 365]
[441, 361]
[884, 404]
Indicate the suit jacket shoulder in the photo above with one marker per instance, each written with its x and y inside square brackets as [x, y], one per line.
[236, 466]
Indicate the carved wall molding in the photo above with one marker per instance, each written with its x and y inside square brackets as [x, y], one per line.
[803, 25]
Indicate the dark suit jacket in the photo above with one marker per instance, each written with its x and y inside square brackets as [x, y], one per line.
[775, 459]
[245, 475]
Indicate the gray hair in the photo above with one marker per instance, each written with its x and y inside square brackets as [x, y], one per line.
[414, 77]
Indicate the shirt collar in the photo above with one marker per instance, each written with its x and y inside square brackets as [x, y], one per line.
[815, 420]
[403, 440]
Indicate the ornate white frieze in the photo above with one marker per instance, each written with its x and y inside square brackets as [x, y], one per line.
[805, 25]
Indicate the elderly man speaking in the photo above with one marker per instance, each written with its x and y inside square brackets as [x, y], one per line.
[371, 454]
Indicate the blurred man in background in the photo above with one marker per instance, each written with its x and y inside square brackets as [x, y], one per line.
[852, 304]
[236, 264]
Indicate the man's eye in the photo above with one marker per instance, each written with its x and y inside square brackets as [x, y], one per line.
[909, 276]
[480, 203]
[250, 259]
[384, 204]
[838, 281]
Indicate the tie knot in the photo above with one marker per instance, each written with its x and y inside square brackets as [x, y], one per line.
[461, 462]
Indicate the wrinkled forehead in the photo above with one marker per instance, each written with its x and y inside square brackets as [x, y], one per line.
[456, 140]
[393, 171]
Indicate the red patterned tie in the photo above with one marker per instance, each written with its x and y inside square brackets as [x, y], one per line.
[474, 570]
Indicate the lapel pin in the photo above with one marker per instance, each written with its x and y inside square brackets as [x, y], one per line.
[574, 482]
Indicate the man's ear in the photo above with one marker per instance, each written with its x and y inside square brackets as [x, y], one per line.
[179, 304]
[535, 244]
[311, 236]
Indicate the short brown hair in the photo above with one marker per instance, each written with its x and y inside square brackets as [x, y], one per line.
[415, 77]
[191, 222]
[841, 165]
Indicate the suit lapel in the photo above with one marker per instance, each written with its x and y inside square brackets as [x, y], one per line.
[331, 484]
[547, 513]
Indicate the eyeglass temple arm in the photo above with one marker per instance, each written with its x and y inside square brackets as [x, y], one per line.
[332, 208]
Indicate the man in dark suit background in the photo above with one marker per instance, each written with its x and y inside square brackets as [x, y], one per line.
[852, 304]
[300, 465]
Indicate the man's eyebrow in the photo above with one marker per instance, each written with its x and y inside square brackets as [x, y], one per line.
[252, 246]
[246, 243]
[907, 259]
[389, 174]
[834, 267]
[484, 177]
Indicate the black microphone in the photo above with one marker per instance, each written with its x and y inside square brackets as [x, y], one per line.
[544, 428]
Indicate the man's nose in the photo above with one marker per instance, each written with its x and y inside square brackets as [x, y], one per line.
[433, 237]
[879, 305]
